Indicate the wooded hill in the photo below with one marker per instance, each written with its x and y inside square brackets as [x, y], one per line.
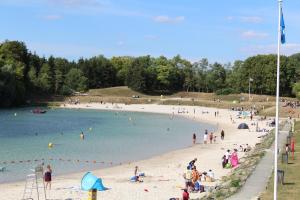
[23, 74]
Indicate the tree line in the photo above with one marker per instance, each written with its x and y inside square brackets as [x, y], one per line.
[23, 74]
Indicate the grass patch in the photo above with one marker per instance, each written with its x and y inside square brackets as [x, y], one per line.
[291, 189]
[235, 183]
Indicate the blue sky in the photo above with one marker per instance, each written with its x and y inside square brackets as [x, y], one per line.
[218, 30]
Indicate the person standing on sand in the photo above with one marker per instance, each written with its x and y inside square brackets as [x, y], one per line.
[48, 177]
[205, 137]
[222, 134]
[227, 156]
[211, 136]
[194, 138]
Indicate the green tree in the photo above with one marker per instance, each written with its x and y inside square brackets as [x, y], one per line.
[44, 79]
[296, 89]
[76, 80]
[216, 77]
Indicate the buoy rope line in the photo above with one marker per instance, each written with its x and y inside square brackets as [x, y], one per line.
[61, 160]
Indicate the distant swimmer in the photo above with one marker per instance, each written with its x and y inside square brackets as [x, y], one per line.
[82, 136]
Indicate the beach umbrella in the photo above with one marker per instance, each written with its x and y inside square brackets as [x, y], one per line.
[243, 126]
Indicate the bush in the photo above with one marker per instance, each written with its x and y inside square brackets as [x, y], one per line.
[235, 183]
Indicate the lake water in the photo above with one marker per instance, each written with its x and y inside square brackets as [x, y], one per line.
[111, 138]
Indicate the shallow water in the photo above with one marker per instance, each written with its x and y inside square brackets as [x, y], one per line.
[111, 138]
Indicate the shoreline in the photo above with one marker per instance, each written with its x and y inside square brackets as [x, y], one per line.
[163, 172]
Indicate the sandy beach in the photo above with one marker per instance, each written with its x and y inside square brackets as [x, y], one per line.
[164, 173]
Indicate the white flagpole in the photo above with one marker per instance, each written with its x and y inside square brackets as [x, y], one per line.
[277, 101]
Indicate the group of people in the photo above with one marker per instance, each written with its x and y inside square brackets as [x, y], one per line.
[137, 175]
[208, 136]
[245, 148]
[193, 178]
[230, 159]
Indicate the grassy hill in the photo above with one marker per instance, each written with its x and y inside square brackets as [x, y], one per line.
[122, 91]
[123, 94]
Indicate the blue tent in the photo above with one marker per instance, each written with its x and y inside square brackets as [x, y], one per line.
[91, 182]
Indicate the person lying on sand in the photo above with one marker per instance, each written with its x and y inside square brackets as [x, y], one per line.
[136, 177]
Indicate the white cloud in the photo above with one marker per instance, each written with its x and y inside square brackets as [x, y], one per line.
[53, 17]
[253, 34]
[286, 49]
[169, 20]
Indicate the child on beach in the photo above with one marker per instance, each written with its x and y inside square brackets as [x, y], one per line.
[48, 177]
[211, 136]
[194, 138]
[227, 156]
[224, 161]
[185, 195]
[136, 175]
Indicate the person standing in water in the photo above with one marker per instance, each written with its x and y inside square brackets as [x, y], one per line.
[48, 177]
[194, 138]
[81, 135]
